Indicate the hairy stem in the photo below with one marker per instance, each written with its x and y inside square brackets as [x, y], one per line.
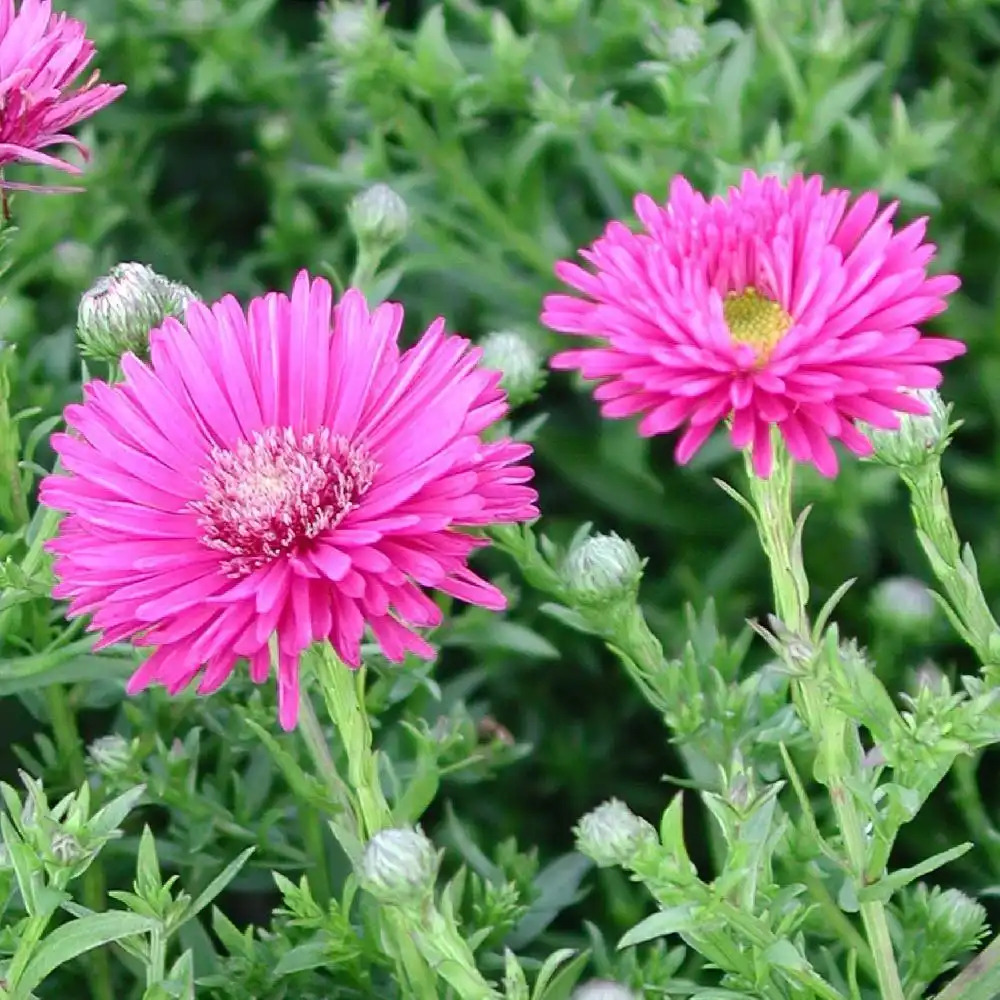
[772, 500]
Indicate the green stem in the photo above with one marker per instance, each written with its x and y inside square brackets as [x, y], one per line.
[773, 504]
[410, 944]
[344, 822]
[156, 970]
[70, 747]
[838, 922]
[979, 980]
[343, 692]
[970, 803]
[30, 937]
[365, 271]
[953, 565]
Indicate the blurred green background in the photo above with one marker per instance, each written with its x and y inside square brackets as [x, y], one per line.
[515, 131]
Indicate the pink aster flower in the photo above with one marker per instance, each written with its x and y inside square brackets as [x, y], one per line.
[278, 473]
[41, 55]
[774, 306]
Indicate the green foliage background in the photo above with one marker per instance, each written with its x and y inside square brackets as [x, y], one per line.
[514, 131]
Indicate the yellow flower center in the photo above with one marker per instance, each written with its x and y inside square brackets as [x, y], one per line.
[756, 320]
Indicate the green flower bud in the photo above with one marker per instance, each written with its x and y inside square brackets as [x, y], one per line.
[603, 989]
[399, 866]
[929, 677]
[904, 604]
[962, 918]
[508, 352]
[379, 218]
[110, 754]
[345, 26]
[66, 849]
[602, 569]
[683, 43]
[612, 834]
[919, 438]
[118, 312]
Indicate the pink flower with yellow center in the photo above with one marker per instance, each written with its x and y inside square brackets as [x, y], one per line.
[280, 477]
[41, 56]
[778, 305]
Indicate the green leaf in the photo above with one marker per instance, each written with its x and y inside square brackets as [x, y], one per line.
[560, 986]
[73, 939]
[420, 791]
[219, 883]
[558, 886]
[549, 969]
[837, 103]
[882, 890]
[311, 955]
[21, 860]
[670, 921]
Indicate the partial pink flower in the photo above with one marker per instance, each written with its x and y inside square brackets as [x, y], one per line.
[774, 306]
[41, 56]
[281, 473]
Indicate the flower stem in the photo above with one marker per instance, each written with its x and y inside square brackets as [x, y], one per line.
[412, 943]
[70, 747]
[953, 564]
[344, 823]
[780, 537]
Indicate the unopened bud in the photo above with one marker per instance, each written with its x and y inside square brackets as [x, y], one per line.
[399, 866]
[602, 569]
[116, 315]
[345, 25]
[66, 848]
[603, 989]
[683, 43]
[918, 438]
[612, 834]
[904, 603]
[110, 754]
[962, 916]
[511, 354]
[928, 677]
[379, 218]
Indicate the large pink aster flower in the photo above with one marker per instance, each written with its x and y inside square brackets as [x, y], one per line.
[271, 474]
[41, 55]
[777, 305]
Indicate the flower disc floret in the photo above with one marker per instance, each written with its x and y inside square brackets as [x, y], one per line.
[777, 305]
[277, 477]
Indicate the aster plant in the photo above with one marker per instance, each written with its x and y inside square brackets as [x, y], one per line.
[261, 559]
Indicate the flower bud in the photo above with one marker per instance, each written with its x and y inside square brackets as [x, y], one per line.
[929, 677]
[612, 834]
[521, 365]
[602, 569]
[379, 218]
[682, 44]
[962, 918]
[118, 312]
[66, 848]
[399, 866]
[345, 25]
[110, 754]
[603, 989]
[918, 438]
[904, 604]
